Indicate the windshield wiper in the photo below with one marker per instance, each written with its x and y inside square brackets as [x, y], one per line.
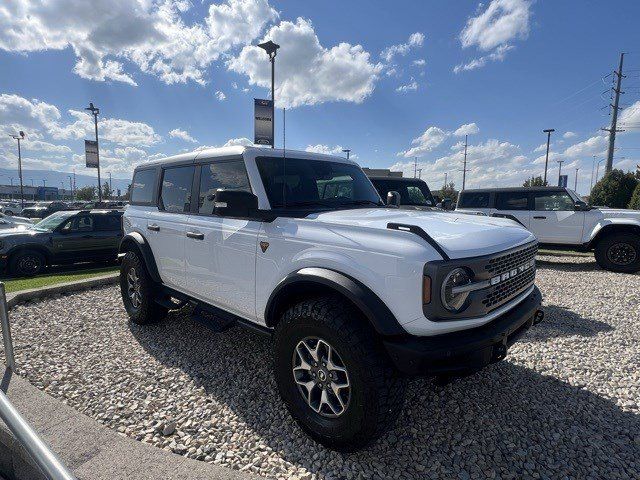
[362, 202]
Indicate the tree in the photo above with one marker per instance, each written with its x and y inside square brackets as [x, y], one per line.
[635, 198]
[614, 189]
[86, 193]
[535, 182]
[106, 190]
[447, 191]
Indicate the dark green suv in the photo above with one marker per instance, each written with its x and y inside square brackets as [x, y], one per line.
[62, 238]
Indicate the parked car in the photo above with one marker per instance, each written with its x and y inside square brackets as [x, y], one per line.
[10, 208]
[561, 219]
[43, 209]
[62, 238]
[9, 221]
[412, 193]
[355, 296]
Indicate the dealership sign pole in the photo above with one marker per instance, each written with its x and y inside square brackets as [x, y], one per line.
[95, 157]
[263, 122]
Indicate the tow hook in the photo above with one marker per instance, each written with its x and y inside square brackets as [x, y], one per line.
[538, 317]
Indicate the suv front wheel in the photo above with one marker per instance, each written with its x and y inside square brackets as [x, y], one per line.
[137, 291]
[619, 253]
[333, 375]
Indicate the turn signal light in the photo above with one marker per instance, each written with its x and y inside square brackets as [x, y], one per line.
[426, 290]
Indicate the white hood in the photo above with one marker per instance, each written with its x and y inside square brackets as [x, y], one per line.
[459, 235]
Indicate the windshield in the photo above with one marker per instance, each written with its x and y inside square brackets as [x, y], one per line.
[52, 221]
[315, 183]
[574, 196]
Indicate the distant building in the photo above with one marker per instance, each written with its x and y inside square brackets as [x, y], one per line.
[380, 172]
[35, 193]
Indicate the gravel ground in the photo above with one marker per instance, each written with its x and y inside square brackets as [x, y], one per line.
[565, 403]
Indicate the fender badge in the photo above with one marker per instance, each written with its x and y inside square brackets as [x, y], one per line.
[264, 246]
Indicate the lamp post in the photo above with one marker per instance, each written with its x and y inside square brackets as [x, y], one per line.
[95, 111]
[19, 137]
[575, 186]
[347, 151]
[546, 162]
[272, 49]
[560, 162]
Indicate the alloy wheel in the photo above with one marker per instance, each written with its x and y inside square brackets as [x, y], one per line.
[622, 254]
[133, 288]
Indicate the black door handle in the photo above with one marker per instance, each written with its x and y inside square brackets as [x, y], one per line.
[540, 218]
[195, 235]
[153, 228]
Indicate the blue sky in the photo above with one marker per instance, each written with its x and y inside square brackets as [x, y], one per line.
[390, 80]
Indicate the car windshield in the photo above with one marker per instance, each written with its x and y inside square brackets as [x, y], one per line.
[315, 184]
[53, 221]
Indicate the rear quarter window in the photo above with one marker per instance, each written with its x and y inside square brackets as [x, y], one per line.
[143, 187]
[474, 200]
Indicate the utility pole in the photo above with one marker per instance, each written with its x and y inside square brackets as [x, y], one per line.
[95, 111]
[415, 167]
[614, 116]
[464, 167]
[71, 184]
[560, 162]
[445, 178]
[593, 169]
[44, 183]
[546, 162]
[420, 173]
[110, 186]
[347, 151]
[575, 186]
[19, 137]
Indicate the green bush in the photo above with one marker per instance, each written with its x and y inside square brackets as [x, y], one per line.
[635, 198]
[614, 190]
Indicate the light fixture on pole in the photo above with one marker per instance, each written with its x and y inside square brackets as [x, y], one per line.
[95, 111]
[347, 151]
[19, 137]
[272, 50]
[546, 162]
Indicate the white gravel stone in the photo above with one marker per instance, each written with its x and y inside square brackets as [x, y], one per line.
[564, 404]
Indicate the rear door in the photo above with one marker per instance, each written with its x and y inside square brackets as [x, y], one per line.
[554, 218]
[514, 205]
[221, 251]
[476, 201]
[107, 234]
[166, 227]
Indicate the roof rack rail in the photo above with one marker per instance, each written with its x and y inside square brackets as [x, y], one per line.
[422, 234]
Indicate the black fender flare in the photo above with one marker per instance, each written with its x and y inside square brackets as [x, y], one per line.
[374, 309]
[136, 242]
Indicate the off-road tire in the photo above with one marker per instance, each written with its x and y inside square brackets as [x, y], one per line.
[605, 252]
[147, 310]
[27, 263]
[377, 390]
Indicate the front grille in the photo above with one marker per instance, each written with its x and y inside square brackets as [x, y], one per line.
[507, 262]
[508, 289]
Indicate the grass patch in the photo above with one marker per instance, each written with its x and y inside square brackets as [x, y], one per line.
[17, 284]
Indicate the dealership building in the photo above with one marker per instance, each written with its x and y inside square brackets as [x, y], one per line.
[12, 192]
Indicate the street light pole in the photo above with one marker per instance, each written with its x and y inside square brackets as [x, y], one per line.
[347, 151]
[560, 162]
[272, 49]
[575, 186]
[95, 111]
[546, 162]
[19, 137]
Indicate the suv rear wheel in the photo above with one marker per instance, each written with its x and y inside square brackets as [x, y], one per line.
[137, 290]
[27, 263]
[333, 375]
[619, 253]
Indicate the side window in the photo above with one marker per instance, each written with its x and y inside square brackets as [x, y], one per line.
[107, 223]
[175, 193]
[474, 200]
[415, 195]
[142, 186]
[230, 175]
[553, 201]
[512, 201]
[82, 223]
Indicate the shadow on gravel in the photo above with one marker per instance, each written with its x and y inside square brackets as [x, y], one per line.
[588, 266]
[506, 420]
[560, 322]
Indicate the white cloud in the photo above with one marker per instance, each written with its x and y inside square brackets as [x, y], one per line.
[497, 56]
[429, 140]
[630, 117]
[502, 22]
[182, 134]
[106, 35]
[421, 62]
[415, 40]
[569, 135]
[466, 129]
[328, 150]
[220, 96]
[592, 146]
[540, 148]
[309, 73]
[242, 141]
[412, 86]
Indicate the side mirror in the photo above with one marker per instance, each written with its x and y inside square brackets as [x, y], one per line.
[235, 203]
[581, 207]
[393, 199]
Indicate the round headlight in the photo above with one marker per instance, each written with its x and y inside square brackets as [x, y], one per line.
[453, 298]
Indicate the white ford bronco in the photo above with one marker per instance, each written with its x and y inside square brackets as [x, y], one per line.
[355, 295]
[561, 220]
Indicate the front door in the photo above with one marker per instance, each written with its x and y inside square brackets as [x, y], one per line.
[221, 252]
[74, 240]
[554, 218]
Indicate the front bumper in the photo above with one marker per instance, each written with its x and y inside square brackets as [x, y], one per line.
[466, 351]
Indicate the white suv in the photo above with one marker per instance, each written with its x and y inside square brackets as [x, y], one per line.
[560, 219]
[356, 296]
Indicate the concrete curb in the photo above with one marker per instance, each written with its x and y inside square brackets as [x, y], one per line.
[90, 450]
